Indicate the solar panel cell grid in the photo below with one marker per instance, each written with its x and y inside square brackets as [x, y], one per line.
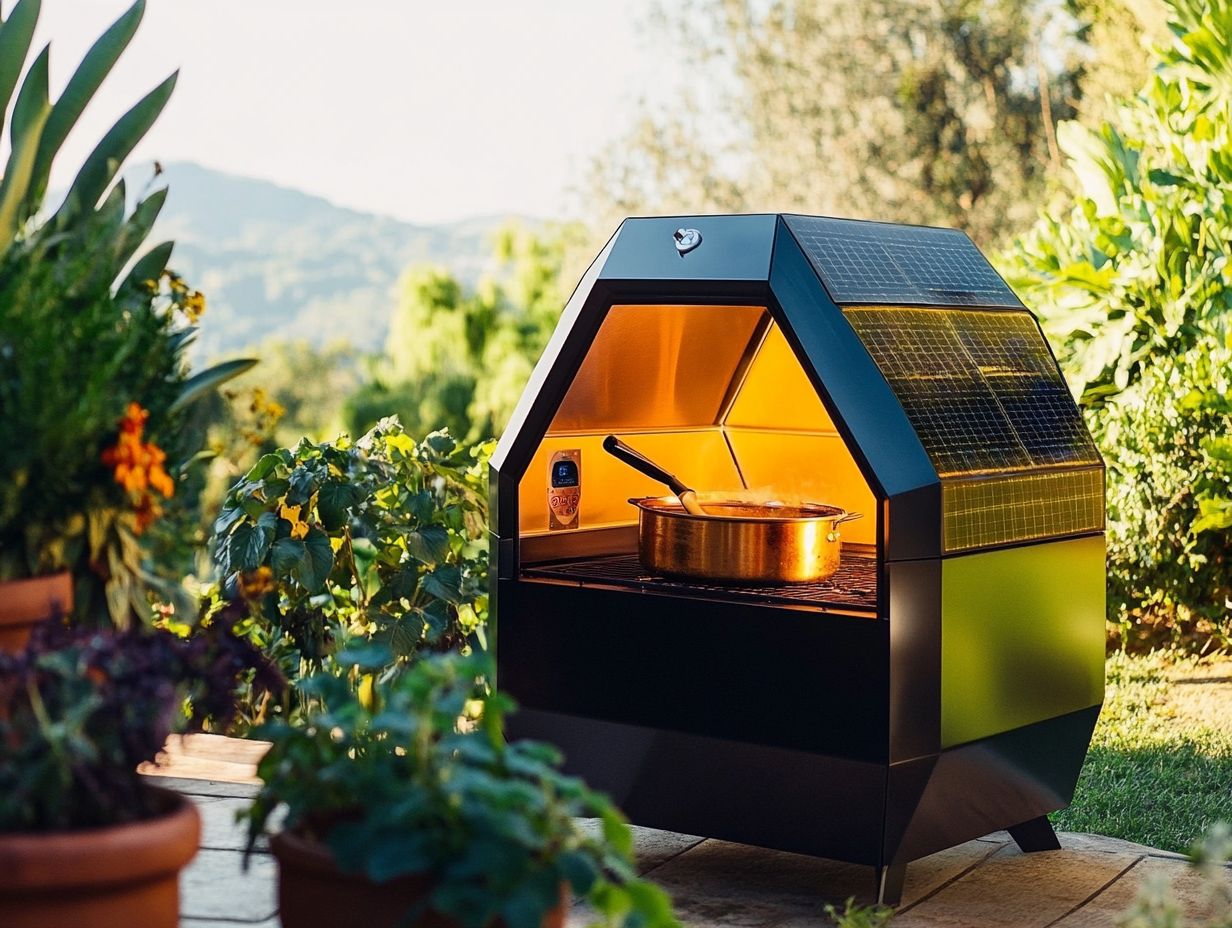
[996, 511]
[870, 262]
[980, 388]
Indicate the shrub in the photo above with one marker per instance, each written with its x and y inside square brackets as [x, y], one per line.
[1134, 282]
[384, 538]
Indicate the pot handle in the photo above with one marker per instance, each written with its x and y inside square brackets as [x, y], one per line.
[639, 462]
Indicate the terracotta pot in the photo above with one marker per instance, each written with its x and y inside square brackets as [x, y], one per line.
[314, 893]
[115, 877]
[26, 603]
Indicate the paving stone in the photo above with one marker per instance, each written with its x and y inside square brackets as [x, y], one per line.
[1082, 842]
[1188, 888]
[1018, 890]
[216, 886]
[651, 846]
[212, 757]
[718, 883]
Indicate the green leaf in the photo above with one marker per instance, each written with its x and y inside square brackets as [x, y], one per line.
[1162, 178]
[349, 842]
[616, 832]
[444, 583]
[261, 539]
[579, 870]
[307, 562]
[227, 518]
[138, 227]
[651, 903]
[437, 618]
[29, 115]
[149, 268]
[334, 502]
[303, 485]
[81, 87]
[210, 378]
[262, 469]
[16, 34]
[104, 162]
[428, 545]
[397, 854]
[287, 555]
[247, 546]
[369, 655]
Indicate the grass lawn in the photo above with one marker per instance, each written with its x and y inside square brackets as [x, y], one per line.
[1159, 771]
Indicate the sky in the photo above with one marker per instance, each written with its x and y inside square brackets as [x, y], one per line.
[424, 111]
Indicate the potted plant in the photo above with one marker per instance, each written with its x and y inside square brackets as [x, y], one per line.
[405, 806]
[94, 382]
[84, 839]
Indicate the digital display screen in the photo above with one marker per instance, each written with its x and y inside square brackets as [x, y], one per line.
[565, 474]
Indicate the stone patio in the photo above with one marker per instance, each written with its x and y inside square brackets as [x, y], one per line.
[989, 882]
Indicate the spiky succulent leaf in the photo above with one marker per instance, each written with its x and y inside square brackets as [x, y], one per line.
[29, 116]
[148, 268]
[104, 162]
[82, 86]
[206, 380]
[138, 226]
[16, 34]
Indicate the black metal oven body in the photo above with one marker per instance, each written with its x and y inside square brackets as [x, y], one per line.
[945, 686]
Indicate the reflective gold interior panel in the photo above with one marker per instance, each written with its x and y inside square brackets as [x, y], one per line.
[777, 394]
[658, 367]
[799, 467]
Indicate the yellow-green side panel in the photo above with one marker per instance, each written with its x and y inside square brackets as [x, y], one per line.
[1022, 636]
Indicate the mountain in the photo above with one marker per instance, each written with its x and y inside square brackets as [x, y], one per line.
[279, 263]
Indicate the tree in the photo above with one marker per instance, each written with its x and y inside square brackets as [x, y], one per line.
[1118, 35]
[930, 111]
[457, 357]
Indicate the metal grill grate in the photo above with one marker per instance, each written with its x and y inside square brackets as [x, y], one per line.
[853, 587]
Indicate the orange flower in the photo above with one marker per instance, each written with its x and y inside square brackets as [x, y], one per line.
[138, 466]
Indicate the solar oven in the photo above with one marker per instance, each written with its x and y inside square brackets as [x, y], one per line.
[944, 683]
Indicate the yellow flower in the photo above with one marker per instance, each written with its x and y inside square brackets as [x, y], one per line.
[193, 305]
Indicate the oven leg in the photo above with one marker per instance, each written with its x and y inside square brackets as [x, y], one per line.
[890, 881]
[1035, 835]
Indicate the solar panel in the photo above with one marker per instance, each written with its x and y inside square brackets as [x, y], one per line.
[999, 510]
[980, 388]
[873, 262]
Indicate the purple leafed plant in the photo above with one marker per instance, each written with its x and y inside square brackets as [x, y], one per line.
[81, 708]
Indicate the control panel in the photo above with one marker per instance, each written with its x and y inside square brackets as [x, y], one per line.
[564, 489]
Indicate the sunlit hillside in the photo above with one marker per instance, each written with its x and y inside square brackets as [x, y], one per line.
[276, 262]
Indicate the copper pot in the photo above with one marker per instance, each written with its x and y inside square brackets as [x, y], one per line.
[735, 542]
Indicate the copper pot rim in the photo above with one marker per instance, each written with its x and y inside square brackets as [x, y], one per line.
[671, 508]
